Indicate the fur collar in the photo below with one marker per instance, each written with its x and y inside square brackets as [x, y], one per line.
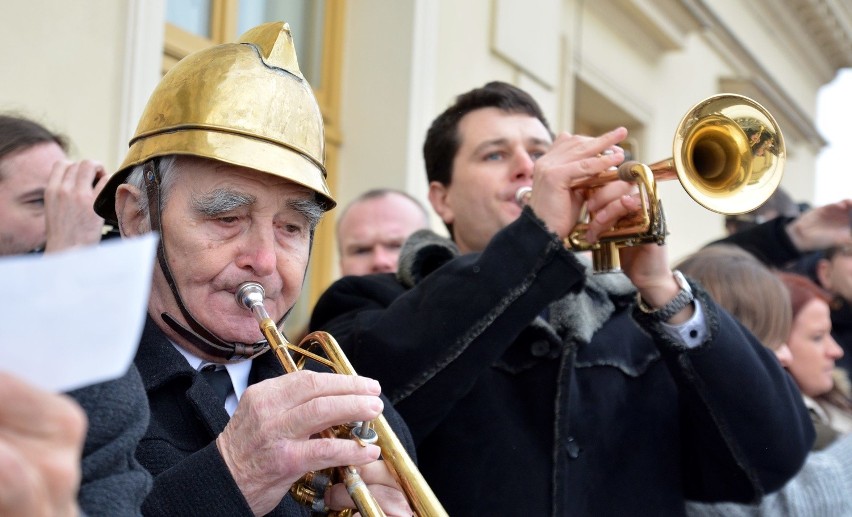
[577, 316]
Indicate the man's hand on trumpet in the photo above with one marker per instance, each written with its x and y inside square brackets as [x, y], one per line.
[558, 202]
[271, 442]
[570, 159]
[382, 486]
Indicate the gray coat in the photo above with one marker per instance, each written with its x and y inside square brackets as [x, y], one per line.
[113, 483]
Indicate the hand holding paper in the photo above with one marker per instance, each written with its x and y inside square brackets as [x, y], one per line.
[75, 318]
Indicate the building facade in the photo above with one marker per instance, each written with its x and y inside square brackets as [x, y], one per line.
[384, 68]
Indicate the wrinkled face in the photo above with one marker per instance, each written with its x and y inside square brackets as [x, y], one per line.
[814, 350]
[371, 233]
[225, 225]
[836, 274]
[495, 158]
[23, 178]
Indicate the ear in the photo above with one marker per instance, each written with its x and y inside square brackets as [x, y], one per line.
[784, 355]
[438, 193]
[823, 268]
[131, 221]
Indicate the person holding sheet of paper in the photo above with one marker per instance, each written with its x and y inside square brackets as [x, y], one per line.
[46, 205]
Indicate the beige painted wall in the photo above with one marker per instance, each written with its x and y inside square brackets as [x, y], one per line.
[82, 68]
[63, 66]
[654, 78]
[86, 68]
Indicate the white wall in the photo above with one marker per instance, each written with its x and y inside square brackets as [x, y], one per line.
[86, 67]
[75, 67]
[608, 44]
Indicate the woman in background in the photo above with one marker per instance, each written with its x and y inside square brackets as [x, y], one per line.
[825, 387]
[760, 300]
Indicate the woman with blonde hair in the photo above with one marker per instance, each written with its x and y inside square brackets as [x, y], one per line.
[748, 290]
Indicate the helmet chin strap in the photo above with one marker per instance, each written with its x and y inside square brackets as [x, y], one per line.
[197, 334]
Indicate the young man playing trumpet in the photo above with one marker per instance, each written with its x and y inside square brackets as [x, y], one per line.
[533, 387]
[227, 165]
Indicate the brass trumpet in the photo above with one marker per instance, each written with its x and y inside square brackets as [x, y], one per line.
[728, 155]
[308, 491]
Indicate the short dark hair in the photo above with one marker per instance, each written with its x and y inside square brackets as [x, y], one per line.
[18, 133]
[442, 140]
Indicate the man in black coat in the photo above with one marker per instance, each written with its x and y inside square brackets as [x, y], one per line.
[227, 166]
[533, 387]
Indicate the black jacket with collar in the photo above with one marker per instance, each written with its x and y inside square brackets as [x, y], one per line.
[179, 448]
[534, 388]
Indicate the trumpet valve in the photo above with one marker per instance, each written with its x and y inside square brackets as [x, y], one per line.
[364, 434]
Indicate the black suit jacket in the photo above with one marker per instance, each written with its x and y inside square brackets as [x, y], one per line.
[179, 449]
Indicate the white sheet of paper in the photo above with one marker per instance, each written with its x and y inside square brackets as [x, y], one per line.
[75, 318]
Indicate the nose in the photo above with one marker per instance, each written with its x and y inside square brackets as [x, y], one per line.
[384, 260]
[257, 251]
[834, 350]
[522, 165]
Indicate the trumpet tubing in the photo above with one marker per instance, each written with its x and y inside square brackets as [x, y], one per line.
[322, 348]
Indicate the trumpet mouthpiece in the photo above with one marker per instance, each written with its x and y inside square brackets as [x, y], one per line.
[249, 294]
[522, 195]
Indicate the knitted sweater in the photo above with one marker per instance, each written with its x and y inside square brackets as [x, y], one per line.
[113, 483]
[820, 488]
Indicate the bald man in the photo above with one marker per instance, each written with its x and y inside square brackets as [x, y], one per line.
[372, 228]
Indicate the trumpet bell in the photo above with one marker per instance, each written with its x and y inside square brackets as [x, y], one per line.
[729, 154]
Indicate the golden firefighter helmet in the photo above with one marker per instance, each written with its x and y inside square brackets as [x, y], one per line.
[244, 103]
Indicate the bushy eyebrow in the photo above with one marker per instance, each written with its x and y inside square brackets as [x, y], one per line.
[221, 201]
[309, 208]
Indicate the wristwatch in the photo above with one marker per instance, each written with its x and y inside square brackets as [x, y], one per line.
[665, 313]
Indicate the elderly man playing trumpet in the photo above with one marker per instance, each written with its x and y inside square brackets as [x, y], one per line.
[582, 398]
[227, 165]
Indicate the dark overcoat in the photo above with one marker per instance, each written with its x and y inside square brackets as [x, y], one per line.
[179, 448]
[534, 388]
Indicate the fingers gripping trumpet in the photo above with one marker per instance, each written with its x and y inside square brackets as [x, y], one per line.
[728, 155]
[322, 348]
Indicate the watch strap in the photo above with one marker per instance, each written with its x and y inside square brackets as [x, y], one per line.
[677, 304]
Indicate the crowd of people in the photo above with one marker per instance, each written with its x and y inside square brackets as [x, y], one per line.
[519, 379]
